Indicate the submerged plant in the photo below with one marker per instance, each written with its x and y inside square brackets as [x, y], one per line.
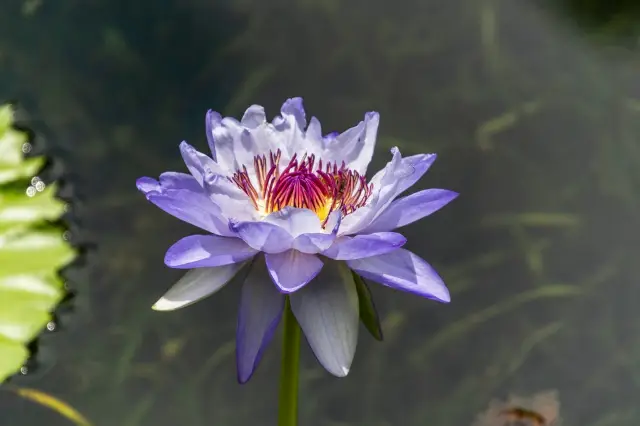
[294, 206]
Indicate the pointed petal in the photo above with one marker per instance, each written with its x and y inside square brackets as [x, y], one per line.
[411, 208]
[362, 151]
[327, 311]
[293, 111]
[253, 117]
[211, 120]
[263, 236]
[192, 207]
[195, 285]
[197, 162]
[260, 311]
[404, 271]
[368, 312]
[198, 251]
[398, 175]
[347, 248]
[292, 270]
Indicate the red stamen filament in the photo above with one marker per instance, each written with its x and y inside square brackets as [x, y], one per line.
[322, 190]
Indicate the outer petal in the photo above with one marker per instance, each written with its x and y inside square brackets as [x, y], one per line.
[263, 236]
[261, 308]
[328, 313]
[292, 270]
[198, 251]
[405, 271]
[361, 246]
[195, 285]
[411, 208]
[181, 196]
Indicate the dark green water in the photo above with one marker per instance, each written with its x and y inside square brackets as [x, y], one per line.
[535, 115]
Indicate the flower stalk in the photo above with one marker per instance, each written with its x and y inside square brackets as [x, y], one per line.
[288, 399]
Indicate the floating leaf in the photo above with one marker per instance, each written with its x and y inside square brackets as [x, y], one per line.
[368, 312]
[32, 250]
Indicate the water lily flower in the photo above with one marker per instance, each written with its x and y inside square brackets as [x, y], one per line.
[292, 207]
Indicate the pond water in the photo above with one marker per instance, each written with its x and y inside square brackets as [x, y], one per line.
[534, 113]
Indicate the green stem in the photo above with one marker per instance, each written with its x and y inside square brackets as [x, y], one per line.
[288, 406]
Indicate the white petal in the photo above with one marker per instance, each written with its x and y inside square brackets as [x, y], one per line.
[195, 285]
[292, 270]
[327, 311]
[296, 221]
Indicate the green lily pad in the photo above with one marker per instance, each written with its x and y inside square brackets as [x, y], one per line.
[368, 312]
[32, 250]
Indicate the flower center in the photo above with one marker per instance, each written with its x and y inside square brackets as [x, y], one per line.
[301, 184]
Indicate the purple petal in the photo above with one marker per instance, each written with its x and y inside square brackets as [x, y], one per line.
[253, 117]
[195, 285]
[360, 153]
[263, 236]
[197, 162]
[361, 246]
[404, 271]
[147, 184]
[293, 107]
[192, 207]
[327, 311]
[411, 208]
[261, 307]
[198, 251]
[292, 270]
[420, 164]
[175, 180]
[212, 119]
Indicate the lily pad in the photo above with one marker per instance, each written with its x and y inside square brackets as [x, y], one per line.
[32, 249]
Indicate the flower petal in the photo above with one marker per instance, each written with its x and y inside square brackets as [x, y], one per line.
[398, 175]
[411, 208]
[253, 117]
[327, 311]
[230, 200]
[292, 270]
[404, 271]
[261, 307]
[316, 242]
[195, 285]
[361, 152]
[360, 246]
[192, 207]
[296, 221]
[263, 236]
[198, 162]
[198, 251]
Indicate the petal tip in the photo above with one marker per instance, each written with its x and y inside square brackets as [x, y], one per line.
[164, 305]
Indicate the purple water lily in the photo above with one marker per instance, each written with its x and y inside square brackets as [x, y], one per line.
[294, 206]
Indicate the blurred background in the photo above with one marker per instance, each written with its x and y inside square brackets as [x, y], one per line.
[533, 107]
